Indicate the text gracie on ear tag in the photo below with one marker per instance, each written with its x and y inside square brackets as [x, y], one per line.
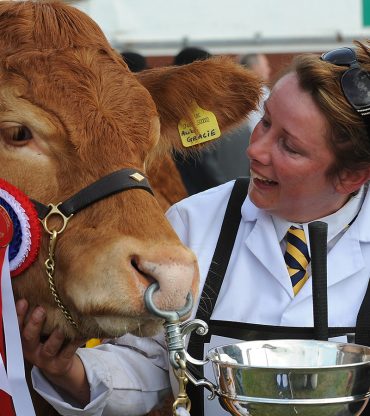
[206, 125]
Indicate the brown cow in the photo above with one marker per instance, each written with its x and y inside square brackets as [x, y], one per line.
[72, 113]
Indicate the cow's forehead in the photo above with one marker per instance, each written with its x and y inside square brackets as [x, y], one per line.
[87, 91]
[76, 75]
[70, 68]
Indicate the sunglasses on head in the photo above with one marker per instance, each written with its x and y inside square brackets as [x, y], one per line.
[355, 81]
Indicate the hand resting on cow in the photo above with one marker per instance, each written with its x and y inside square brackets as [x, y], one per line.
[54, 357]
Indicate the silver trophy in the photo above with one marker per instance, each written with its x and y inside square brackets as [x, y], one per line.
[275, 377]
[290, 377]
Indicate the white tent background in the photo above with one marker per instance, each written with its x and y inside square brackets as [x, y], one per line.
[161, 27]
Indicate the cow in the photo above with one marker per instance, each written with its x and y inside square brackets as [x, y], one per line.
[71, 114]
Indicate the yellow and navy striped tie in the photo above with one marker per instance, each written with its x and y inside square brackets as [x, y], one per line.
[297, 257]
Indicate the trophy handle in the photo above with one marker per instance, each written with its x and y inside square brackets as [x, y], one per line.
[203, 382]
[201, 328]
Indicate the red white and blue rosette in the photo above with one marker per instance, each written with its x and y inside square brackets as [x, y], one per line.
[19, 244]
[25, 243]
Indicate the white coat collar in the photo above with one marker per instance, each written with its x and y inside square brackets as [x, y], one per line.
[262, 243]
[336, 222]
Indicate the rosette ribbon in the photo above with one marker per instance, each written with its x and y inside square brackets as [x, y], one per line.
[19, 245]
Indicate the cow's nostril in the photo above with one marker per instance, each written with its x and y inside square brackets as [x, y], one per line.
[148, 277]
[134, 264]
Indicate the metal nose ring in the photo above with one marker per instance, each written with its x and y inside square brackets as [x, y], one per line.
[169, 316]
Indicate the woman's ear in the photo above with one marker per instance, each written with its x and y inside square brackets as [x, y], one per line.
[350, 181]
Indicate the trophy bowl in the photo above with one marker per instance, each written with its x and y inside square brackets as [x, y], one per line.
[292, 377]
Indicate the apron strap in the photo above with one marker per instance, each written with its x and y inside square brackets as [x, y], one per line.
[223, 249]
[215, 277]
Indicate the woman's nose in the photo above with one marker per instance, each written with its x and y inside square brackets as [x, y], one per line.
[259, 148]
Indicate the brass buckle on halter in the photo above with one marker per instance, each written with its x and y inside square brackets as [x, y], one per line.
[54, 210]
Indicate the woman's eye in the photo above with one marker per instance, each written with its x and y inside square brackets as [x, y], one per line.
[288, 148]
[17, 135]
[265, 123]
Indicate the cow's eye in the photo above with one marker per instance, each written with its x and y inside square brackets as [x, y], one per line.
[16, 135]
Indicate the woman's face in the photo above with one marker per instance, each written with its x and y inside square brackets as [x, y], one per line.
[289, 157]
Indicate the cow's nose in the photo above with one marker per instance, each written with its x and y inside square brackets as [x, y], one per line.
[177, 275]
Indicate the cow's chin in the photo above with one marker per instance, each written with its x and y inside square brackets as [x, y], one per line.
[107, 326]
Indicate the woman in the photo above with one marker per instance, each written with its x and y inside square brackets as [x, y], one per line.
[310, 160]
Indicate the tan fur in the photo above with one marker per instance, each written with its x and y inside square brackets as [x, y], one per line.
[89, 116]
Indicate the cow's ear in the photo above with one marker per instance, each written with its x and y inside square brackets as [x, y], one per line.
[190, 96]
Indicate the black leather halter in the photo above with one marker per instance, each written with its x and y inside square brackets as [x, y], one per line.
[111, 184]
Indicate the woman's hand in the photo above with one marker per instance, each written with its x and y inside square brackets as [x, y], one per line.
[56, 360]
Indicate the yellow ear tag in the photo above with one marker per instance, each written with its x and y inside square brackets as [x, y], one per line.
[206, 124]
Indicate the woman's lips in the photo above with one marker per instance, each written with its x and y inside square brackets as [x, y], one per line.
[262, 179]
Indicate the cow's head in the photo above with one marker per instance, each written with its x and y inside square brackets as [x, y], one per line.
[71, 113]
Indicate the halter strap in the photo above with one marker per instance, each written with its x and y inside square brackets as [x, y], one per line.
[111, 184]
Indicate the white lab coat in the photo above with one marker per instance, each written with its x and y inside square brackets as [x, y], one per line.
[256, 289]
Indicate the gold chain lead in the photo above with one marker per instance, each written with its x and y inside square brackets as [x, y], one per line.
[50, 269]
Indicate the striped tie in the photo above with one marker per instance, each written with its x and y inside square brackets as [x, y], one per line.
[297, 257]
